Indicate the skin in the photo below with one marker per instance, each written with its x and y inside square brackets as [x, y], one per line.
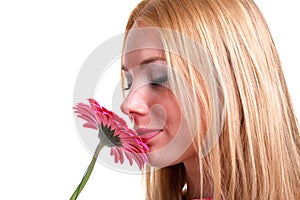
[154, 109]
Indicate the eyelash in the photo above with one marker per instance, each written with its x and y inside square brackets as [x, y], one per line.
[156, 82]
[128, 87]
[159, 81]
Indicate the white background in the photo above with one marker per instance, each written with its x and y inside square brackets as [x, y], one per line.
[42, 47]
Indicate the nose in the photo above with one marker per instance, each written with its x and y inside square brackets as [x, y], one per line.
[135, 106]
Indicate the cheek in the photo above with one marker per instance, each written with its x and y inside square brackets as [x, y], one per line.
[174, 146]
[174, 122]
[175, 125]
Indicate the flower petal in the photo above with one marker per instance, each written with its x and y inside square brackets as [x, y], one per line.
[88, 125]
[127, 142]
[118, 154]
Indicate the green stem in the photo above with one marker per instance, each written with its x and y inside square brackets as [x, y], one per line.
[87, 173]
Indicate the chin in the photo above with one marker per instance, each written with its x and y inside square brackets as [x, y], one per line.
[158, 160]
[168, 157]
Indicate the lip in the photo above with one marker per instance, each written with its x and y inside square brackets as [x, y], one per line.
[147, 134]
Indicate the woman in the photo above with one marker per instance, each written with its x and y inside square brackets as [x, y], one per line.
[206, 92]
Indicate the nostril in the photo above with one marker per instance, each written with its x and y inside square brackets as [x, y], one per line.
[137, 108]
[124, 109]
[134, 107]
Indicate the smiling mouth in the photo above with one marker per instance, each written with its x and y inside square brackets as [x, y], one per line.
[147, 135]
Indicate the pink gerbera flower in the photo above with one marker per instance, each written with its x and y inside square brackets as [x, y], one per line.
[114, 133]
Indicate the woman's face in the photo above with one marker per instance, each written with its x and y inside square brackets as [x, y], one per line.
[151, 104]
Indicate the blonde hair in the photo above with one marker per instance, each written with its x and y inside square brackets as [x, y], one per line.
[240, 89]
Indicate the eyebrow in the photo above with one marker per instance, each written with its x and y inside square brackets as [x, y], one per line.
[147, 61]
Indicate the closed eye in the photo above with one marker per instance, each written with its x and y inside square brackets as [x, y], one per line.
[160, 80]
[128, 79]
[128, 87]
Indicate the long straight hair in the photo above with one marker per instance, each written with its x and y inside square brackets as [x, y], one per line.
[242, 94]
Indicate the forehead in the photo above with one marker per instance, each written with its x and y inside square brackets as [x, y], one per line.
[143, 38]
[141, 44]
[140, 57]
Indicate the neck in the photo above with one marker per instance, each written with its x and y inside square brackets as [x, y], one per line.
[193, 180]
